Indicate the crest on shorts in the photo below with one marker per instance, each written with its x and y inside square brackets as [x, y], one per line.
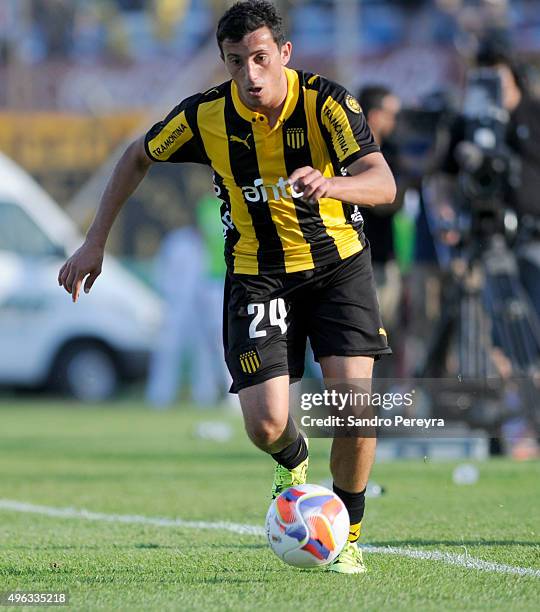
[352, 104]
[250, 361]
[295, 138]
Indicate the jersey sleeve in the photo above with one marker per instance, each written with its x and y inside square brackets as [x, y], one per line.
[176, 138]
[344, 125]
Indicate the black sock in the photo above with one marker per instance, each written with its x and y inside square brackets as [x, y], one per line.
[292, 455]
[355, 504]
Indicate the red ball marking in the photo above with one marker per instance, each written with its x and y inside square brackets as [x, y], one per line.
[319, 530]
[331, 509]
[286, 509]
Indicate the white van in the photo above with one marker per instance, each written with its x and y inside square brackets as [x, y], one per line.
[85, 349]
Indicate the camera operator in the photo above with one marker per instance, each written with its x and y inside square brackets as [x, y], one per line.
[519, 188]
[523, 139]
[486, 188]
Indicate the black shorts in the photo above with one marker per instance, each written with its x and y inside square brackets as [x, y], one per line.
[267, 319]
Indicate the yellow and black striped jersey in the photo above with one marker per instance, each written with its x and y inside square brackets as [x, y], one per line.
[267, 230]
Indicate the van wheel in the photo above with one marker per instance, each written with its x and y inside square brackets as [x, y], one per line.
[87, 371]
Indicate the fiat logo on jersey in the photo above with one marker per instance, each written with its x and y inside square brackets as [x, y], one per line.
[295, 138]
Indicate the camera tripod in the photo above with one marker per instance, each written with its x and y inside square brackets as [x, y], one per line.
[485, 307]
[487, 333]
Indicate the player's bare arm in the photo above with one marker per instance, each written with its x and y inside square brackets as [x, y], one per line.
[370, 183]
[86, 262]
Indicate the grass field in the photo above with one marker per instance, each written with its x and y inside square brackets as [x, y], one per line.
[124, 460]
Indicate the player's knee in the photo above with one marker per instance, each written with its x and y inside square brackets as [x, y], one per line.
[265, 432]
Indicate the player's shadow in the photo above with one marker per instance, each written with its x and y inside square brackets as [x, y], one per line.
[480, 542]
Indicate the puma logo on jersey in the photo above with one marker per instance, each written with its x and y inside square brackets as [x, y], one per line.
[244, 141]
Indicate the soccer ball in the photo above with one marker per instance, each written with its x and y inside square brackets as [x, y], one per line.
[307, 526]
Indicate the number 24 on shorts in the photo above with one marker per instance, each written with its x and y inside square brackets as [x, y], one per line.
[277, 312]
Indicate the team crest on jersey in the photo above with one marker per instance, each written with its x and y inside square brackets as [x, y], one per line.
[250, 361]
[352, 104]
[295, 138]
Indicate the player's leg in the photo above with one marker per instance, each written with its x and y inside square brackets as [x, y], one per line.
[351, 458]
[264, 348]
[269, 426]
[266, 414]
[346, 333]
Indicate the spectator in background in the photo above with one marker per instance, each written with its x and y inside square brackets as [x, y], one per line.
[381, 108]
[190, 339]
[181, 256]
[54, 20]
[209, 223]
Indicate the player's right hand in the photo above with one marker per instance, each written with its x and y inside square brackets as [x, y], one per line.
[86, 263]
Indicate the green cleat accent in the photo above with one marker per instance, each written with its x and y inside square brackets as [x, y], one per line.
[349, 560]
[284, 478]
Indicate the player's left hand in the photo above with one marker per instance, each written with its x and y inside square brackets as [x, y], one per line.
[310, 183]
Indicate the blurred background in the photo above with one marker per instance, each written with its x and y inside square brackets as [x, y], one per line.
[80, 78]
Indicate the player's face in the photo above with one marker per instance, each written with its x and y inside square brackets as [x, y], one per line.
[255, 63]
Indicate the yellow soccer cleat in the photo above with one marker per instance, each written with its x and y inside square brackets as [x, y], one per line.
[349, 560]
[284, 478]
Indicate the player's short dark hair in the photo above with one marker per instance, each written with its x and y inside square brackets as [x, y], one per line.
[372, 96]
[246, 17]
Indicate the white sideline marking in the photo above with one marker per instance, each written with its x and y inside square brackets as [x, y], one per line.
[454, 559]
[7, 504]
[429, 555]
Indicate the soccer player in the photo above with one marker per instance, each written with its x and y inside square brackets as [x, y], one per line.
[293, 160]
